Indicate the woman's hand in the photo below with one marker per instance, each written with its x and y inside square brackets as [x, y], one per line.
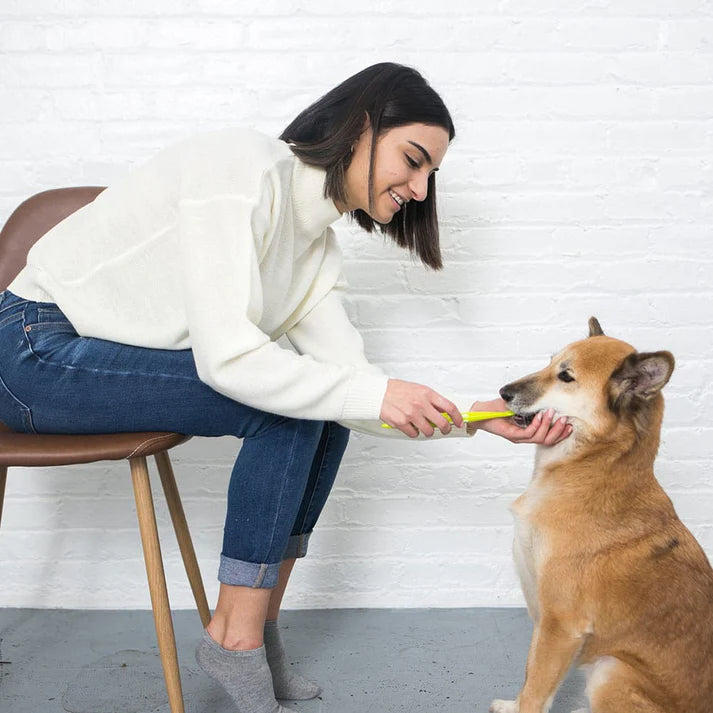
[415, 408]
[542, 430]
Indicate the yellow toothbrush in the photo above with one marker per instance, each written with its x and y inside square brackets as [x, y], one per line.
[471, 416]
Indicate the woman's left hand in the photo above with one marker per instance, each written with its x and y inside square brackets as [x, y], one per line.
[542, 430]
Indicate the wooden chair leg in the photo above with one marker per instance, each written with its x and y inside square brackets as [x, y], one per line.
[157, 582]
[183, 536]
[3, 478]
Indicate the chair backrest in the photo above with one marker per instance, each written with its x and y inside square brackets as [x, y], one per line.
[32, 219]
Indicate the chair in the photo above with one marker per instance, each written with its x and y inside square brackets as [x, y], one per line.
[24, 227]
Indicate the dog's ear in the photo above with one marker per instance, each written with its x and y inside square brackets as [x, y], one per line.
[595, 329]
[640, 377]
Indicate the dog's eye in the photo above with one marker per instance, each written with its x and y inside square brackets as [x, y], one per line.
[565, 376]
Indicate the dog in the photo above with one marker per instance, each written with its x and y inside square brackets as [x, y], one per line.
[613, 580]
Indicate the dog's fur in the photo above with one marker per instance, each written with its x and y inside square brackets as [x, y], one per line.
[611, 576]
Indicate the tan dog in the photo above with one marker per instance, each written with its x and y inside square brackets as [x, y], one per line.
[611, 576]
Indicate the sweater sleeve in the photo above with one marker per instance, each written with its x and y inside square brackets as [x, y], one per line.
[374, 427]
[327, 334]
[220, 239]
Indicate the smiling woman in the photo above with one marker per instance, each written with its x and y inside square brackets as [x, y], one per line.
[374, 179]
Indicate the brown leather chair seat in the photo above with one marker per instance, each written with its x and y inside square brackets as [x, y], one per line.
[27, 449]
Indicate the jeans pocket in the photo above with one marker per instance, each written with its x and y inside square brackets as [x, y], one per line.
[50, 335]
[13, 412]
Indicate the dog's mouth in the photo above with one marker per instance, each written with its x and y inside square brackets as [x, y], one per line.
[523, 419]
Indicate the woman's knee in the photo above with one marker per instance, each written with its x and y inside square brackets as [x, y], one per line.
[265, 425]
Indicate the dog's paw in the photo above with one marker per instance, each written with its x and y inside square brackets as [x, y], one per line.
[504, 707]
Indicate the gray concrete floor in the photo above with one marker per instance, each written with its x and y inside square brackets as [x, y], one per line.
[366, 660]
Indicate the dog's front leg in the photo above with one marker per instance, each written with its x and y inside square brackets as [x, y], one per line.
[553, 648]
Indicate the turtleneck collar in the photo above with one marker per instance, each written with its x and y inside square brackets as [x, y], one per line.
[313, 212]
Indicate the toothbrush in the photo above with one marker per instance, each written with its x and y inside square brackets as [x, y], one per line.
[471, 416]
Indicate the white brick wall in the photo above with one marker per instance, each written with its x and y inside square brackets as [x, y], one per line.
[579, 183]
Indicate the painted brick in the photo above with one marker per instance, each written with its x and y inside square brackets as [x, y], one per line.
[578, 184]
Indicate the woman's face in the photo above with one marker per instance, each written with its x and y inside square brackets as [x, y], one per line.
[405, 158]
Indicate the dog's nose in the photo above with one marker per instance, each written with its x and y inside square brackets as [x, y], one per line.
[506, 394]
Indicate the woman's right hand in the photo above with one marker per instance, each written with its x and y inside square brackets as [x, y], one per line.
[415, 408]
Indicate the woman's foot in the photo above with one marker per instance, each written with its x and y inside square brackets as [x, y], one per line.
[288, 684]
[245, 675]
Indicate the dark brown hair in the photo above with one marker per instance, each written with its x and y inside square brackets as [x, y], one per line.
[323, 135]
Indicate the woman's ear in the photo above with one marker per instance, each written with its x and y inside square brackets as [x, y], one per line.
[363, 132]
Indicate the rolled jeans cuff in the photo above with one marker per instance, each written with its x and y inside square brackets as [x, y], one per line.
[297, 546]
[248, 574]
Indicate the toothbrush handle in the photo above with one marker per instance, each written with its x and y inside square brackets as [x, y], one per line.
[472, 416]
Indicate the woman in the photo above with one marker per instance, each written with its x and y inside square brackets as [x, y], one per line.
[157, 307]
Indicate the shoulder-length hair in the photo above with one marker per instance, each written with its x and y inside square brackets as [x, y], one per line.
[324, 133]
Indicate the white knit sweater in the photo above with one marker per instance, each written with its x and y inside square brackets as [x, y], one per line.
[220, 244]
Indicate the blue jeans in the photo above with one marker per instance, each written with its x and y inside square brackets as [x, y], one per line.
[54, 381]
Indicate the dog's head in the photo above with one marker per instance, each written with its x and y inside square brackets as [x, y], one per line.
[599, 383]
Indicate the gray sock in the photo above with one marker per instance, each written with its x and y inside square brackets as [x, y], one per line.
[245, 675]
[288, 684]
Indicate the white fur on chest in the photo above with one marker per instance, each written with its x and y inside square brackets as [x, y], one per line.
[529, 547]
